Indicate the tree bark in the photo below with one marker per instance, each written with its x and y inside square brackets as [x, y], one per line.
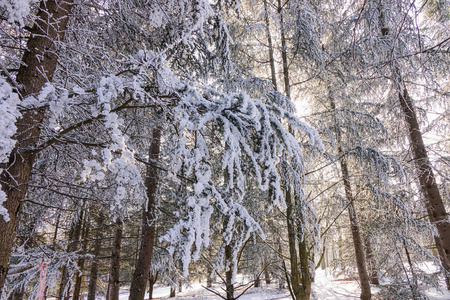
[357, 242]
[287, 85]
[81, 263]
[433, 200]
[210, 278]
[269, 41]
[267, 276]
[428, 186]
[295, 274]
[305, 272]
[300, 275]
[114, 274]
[17, 294]
[373, 274]
[257, 280]
[442, 256]
[141, 273]
[74, 238]
[151, 283]
[229, 272]
[92, 288]
[413, 285]
[37, 68]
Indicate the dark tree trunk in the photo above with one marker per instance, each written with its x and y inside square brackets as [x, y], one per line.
[229, 272]
[209, 279]
[442, 256]
[357, 242]
[298, 291]
[295, 279]
[287, 85]
[269, 41]
[281, 280]
[63, 288]
[55, 234]
[370, 263]
[37, 68]
[92, 288]
[267, 276]
[413, 285]
[172, 292]
[17, 294]
[114, 274]
[433, 200]
[257, 281]
[74, 237]
[151, 283]
[209, 270]
[306, 278]
[141, 273]
[81, 262]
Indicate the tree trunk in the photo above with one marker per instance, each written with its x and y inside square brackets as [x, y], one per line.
[55, 234]
[370, 263]
[433, 200]
[209, 279]
[269, 41]
[37, 68]
[295, 274]
[92, 288]
[172, 292]
[209, 270]
[297, 289]
[281, 280]
[442, 256]
[81, 262]
[257, 281]
[17, 294]
[141, 273]
[357, 243]
[287, 86]
[74, 237]
[305, 272]
[267, 276]
[413, 285]
[114, 274]
[229, 272]
[151, 283]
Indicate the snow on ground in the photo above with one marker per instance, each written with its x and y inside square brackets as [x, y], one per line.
[325, 287]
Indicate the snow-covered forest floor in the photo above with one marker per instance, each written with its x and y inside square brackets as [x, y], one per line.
[325, 287]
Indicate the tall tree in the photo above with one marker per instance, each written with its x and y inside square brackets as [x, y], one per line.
[142, 269]
[37, 68]
[114, 274]
[357, 240]
[397, 45]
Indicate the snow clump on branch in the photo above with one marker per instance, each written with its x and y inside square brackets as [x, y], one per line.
[9, 113]
[16, 10]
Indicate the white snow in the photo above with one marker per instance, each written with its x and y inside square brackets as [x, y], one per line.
[16, 10]
[9, 113]
[8, 116]
[325, 287]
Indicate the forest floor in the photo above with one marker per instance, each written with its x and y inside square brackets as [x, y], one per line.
[325, 287]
